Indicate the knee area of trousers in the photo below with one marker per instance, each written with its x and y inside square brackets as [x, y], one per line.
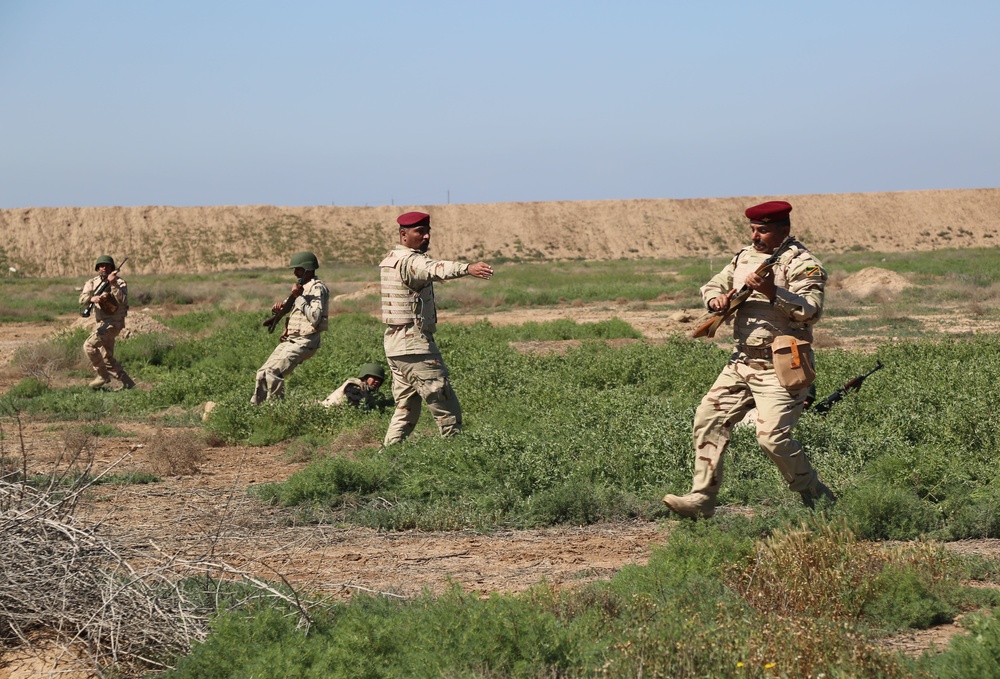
[437, 391]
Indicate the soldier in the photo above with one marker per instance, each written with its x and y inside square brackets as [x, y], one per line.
[308, 318]
[786, 301]
[111, 307]
[418, 371]
[359, 391]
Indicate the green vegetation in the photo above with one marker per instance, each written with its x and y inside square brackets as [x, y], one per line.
[594, 431]
[717, 600]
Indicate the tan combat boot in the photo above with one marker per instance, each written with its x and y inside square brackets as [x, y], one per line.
[99, 381]
[692, 505]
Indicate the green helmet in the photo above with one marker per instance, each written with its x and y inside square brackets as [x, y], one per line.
[306, 260]
[105, 259]
[372, 370]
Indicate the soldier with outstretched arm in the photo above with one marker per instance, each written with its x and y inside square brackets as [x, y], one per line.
[772, 367]
[418, 370]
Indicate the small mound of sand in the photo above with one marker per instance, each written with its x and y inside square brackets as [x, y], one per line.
[368, 290]
[872, 281]
[136, 323]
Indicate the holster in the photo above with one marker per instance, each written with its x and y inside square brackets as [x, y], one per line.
[792, 359]
[108, 303]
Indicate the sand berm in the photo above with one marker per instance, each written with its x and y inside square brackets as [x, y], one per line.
[46, 241]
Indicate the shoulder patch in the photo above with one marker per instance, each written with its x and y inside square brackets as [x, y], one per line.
[815, 272]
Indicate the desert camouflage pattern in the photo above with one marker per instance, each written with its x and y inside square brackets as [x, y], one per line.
[418, 370]
[307, 321]
[354, 392]
[421, 378]
[310, 314]
[749, 379]
[743, 384]
[99, 347]
[114, 301]
[289, 354]
[408, 308]
[800, 279]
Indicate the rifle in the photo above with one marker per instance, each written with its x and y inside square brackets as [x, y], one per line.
[100, 290]
[710, 322]
[823, 407]
[286, 306]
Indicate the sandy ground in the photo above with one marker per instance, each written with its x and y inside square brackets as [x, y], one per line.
[43, 241]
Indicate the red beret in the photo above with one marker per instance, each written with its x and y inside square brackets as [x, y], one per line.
[413, 219]
[771, 211]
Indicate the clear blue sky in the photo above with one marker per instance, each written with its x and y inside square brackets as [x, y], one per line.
[185, 102]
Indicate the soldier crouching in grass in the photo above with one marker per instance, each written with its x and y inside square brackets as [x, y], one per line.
[773, 330]
[110, 307]
[408, 310]
[308, 317]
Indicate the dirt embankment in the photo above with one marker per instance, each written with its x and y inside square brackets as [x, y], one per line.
[60, 241]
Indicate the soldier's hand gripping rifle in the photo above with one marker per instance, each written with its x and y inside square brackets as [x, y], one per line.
[280, 311]
[101, 289]
[710, 322]
[823, 407]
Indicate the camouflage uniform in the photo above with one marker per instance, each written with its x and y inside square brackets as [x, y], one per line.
[100, 346]
[418, 371]
[354, 392]
[749, 379]
[307, 320]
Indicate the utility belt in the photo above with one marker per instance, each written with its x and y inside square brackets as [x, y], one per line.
[760, 352]
[792, 359]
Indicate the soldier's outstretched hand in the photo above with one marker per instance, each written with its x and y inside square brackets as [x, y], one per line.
[481, 270]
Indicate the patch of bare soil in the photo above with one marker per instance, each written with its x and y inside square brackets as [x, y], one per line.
[210, 514]
[873, 280]
[913, 644]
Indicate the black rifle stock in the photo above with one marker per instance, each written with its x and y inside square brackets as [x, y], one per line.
[710, 322]
[286, 306]
[100, 290]
[823, 407]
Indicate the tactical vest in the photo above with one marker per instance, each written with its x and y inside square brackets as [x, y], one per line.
[400, 304]
[758, 321]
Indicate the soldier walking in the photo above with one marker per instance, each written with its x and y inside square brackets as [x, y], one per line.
[306, 321]
[785, 303]
[408, 310]
[110, 309]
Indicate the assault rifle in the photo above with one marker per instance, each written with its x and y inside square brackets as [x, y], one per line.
[100, 290]
[286, 306]
[823, 407]
[710, 322]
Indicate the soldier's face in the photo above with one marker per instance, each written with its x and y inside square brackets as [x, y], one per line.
[416, 238]
[767, 237]
[373, 382]
[104, 269]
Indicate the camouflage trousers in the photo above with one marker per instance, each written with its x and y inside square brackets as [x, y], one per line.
[416, 378]
[100, 350]
[743, 384]
[288, 355]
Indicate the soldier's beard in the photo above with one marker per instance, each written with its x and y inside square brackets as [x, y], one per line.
[425, 247]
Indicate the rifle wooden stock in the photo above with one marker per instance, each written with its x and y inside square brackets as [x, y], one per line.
[707, 325]
[100, 290]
